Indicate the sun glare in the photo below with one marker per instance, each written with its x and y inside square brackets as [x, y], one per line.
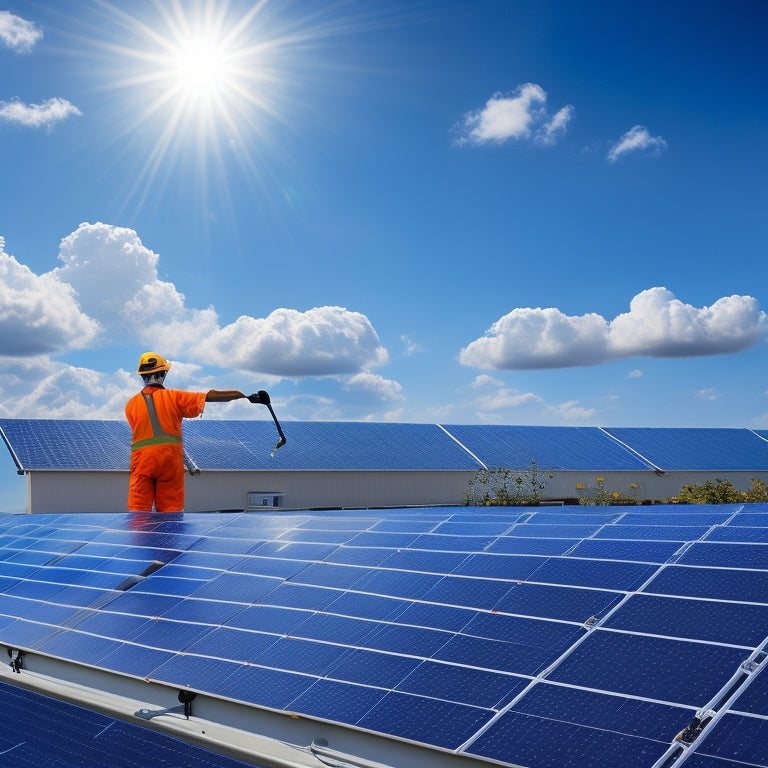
[210, 85]
[200, 67]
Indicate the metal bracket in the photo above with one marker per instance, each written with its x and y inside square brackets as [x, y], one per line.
[16, 663]
[691, 732]
[185, 697]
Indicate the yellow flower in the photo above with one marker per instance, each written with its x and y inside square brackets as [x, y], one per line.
[616, 494]
[579, 486]
[600, 479]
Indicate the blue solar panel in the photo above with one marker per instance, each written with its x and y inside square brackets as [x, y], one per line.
[213, 444]
[697, 448]
[69, 444]
[52, 733]
[653, 667]
[740, 738]
[585, 448]
[590, 728]
[588, 639]
[324, 445]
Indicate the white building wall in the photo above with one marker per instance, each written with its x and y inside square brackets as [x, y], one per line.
[54, 492]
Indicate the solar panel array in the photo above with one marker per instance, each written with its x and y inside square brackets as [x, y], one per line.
[697, 448]
[246, 445]
[574, 448]
[543, 637]
[61, 735]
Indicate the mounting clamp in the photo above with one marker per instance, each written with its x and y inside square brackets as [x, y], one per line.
[16, 663]
[186, 698]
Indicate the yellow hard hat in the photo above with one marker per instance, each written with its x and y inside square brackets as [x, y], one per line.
[151, 362]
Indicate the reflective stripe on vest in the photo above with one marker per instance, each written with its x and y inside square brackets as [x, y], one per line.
[159, 436]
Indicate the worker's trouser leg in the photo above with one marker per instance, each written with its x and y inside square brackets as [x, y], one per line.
[157, 478]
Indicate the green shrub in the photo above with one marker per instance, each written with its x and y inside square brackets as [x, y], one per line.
[758, 491]
[709, 492]
[507, 487]
[599, 495]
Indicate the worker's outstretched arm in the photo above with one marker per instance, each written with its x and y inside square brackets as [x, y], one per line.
[225, 395]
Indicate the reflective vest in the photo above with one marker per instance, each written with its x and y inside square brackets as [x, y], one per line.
[155, 415]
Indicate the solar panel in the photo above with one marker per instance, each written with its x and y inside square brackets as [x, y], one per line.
[213, 444]
[576, 448]
[68, 443]
[241, 445]
[46, 732]
[697, 448]
[579, 637]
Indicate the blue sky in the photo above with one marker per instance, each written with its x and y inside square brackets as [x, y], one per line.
[491, 211]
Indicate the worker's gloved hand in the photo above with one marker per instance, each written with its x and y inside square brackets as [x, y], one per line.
[262, 396]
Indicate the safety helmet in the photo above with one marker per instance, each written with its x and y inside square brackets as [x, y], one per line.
[151, 362]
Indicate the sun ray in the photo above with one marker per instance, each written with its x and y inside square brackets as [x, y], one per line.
[210, 86]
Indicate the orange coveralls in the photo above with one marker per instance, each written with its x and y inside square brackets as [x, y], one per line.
[157, 463]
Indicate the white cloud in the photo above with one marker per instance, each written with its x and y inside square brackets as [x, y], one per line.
[513, 116]
[484, 380]
[42, 388]
[17, 33]
[635, 374]
[411, 347]
[706, 394]
[371, 383]
[538, 338]
[657, 325]
[636, 139]
[38, 315]
[116, 280]
[36, 115]
[505, 398]
[556, 127]
[323, 341]
[572, 411]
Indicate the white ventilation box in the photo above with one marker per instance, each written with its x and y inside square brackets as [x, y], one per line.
[264, 499]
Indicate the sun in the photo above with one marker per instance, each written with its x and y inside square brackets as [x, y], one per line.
[209, 89]
[201, 68]
[194, 83]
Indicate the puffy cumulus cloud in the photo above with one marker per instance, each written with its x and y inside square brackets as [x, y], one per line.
[538, 338]
[660, 325]
[18, 33]
[657, 325]
[517, 115]
[106, 290]
[46, 114]
[324, 341]
[116, 278]
[38, 315]
[636, 139]
[42, 388]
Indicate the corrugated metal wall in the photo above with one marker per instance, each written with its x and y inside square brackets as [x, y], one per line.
[79, 491]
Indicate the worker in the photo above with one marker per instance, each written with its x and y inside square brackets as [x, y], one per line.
[155, 415]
